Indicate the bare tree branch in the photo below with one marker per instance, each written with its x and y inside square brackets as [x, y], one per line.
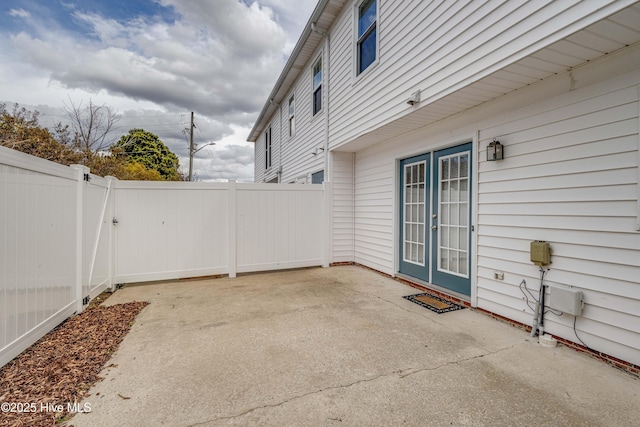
[91, 125]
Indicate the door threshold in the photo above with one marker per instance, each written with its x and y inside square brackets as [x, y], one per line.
[466, 299]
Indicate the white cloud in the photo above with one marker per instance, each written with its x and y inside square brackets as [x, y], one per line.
[21, 13]
[219, 59]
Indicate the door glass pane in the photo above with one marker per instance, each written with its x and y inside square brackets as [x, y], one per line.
[454, 213]
[454, 167]
[444, 214]
[463, 239]
[453, 238]
[464, 213]
[464, 166]
[464, 190]
[444, 169]
[414, 216]
[463, 263]
[444, 236]
[444, 259]
[444, 194]
[454, 193]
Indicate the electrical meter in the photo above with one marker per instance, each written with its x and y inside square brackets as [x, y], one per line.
[540, 253]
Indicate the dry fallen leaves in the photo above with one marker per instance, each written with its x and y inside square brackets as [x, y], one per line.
[61, 367]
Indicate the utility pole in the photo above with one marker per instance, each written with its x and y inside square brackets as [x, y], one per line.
[191, 148]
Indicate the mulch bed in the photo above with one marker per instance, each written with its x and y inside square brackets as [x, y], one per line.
[60, 368]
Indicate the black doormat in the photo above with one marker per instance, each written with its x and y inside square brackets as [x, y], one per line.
[434, 303]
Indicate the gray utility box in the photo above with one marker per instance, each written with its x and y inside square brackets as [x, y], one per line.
[565, 299]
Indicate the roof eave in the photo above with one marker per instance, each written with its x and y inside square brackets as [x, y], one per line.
[271, 104]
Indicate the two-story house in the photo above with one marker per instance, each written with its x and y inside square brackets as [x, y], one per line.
[454, 133]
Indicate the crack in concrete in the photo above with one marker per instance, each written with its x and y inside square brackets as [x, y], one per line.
[400, 373]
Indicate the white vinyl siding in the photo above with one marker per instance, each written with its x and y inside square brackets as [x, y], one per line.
[439, 48]
[343, 214]
[374, 193]
[298, 160]
[570, 177]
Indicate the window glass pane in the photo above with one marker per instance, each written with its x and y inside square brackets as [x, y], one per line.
[367, 51]
[407, 175]
[414, 213]
[420, 233]
[317, 100]
[421, 214]
[367, 16]
[421, 172]
[421, 254]
[421, 193]
[291, 106]
[414, 193]
[317, 74]
[444, 237]
[407, 251]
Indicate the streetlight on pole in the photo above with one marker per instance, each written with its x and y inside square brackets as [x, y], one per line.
[192, 149]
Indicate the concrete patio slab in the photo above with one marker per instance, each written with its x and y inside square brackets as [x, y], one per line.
[339, 346]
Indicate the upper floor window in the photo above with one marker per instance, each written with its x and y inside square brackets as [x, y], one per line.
[267, 148]
[367, 39]
[317, 86]
[292, 116]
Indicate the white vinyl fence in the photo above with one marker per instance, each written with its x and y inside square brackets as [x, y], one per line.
[67, 235]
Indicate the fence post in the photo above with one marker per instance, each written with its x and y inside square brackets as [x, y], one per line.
[111, 233]
[80, 189]
[327, 223]
[231, 228]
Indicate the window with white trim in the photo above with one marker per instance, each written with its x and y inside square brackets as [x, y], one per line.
[317, 86]
[367, 34]
[292, 116]
[267, 148]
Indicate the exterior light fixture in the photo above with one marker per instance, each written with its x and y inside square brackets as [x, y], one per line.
[414, 98]
[495, 151]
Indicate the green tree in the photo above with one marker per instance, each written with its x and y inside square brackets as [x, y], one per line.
[147, 149]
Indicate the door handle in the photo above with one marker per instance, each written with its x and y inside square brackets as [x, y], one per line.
[434, 227]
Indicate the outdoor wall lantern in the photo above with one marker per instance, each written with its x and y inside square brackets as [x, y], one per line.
[495, 151]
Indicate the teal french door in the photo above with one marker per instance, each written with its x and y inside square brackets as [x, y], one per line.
[414, 208]
[435, 216]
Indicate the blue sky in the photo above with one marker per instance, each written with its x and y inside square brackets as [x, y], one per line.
[154, 61]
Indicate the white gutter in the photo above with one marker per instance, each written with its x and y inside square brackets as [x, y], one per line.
[266, 112]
